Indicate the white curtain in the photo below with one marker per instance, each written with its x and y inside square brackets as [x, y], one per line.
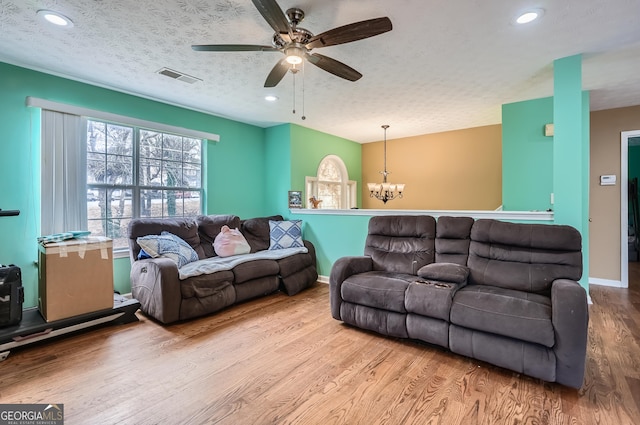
[63, 181]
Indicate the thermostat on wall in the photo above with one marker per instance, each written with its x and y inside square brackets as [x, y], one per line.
[609, 180]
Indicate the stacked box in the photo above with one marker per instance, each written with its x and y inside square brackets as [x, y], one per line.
[75, 277]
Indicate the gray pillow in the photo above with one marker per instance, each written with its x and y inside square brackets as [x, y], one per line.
[445, 272]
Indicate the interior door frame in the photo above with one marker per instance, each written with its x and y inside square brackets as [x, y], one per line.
[624, 205]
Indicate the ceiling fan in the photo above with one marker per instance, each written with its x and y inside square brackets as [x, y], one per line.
[296, 43]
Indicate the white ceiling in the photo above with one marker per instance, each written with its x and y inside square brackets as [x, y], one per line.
[445, 65]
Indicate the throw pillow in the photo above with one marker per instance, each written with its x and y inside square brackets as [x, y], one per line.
[230, 242]
[285, 234]
[444, 272]
[168, 245]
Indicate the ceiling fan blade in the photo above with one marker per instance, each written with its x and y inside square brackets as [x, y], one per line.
[351, 32]
[232, 48]
[333, 66]
[277, 73]
[272, 13]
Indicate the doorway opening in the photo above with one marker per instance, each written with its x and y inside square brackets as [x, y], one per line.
[627, 139]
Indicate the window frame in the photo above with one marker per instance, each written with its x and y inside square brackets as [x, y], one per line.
[135, 185]
[348, 193]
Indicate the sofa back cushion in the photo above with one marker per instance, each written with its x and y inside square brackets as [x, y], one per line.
[257, 231]
[209, 226]
[185, 228]
[525, 257]
[453, 235]
[401, 244]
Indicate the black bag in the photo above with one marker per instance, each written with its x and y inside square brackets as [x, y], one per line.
[11, 295]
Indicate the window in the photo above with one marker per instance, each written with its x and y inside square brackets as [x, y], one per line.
[136, 172]
[97, 173]
[332, 185]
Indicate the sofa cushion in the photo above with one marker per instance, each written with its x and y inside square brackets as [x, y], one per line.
[401, 244]
[230, 242]
[526, 257]
[431, 299]
[445, 272]
[257, 231]
[285, 234]
[383, 290]
[209, 227]
[168, 245]
[452, 239]
[505, 312]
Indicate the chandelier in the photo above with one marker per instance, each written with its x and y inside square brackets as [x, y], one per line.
[385, 191]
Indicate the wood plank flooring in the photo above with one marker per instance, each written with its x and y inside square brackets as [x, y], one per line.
[284, 360]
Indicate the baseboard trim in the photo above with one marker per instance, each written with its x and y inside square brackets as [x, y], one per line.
[323, 279]
[605, 282]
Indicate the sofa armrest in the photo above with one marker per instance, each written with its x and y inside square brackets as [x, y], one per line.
[570, 318]
[312, 252]
[341, 270]
[155, 283]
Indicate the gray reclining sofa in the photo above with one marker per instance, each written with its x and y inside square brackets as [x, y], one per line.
[503, 293]
[156, 283]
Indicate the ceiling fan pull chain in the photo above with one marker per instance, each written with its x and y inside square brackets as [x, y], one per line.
[294, 91]
[303, 116]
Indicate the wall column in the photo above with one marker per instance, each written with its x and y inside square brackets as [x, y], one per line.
[571, 152]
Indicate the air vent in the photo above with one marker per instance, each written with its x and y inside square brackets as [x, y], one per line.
[176, 75]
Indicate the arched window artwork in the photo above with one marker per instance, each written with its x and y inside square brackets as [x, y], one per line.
[331, 185]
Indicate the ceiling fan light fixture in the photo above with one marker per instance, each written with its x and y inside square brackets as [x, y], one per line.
[294, 55]
[55, 18]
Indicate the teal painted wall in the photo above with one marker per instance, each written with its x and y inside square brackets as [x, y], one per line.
[234, 165]
[309, 147]
[334, 236]
[278, 168]
[571, 151]
[527, 155]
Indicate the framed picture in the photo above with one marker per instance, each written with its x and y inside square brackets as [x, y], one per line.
[295, 199]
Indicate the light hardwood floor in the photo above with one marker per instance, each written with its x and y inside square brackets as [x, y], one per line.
[284, 360]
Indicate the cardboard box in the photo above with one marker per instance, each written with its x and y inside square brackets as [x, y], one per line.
[75, 277]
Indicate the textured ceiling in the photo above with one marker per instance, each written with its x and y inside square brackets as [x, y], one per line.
[445, 65]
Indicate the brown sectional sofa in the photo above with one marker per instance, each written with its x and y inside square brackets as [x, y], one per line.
[504, 293]
[156, 282]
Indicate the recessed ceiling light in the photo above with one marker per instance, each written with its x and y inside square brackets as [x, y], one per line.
[270, 98]
[55, 18]
[529, 16]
